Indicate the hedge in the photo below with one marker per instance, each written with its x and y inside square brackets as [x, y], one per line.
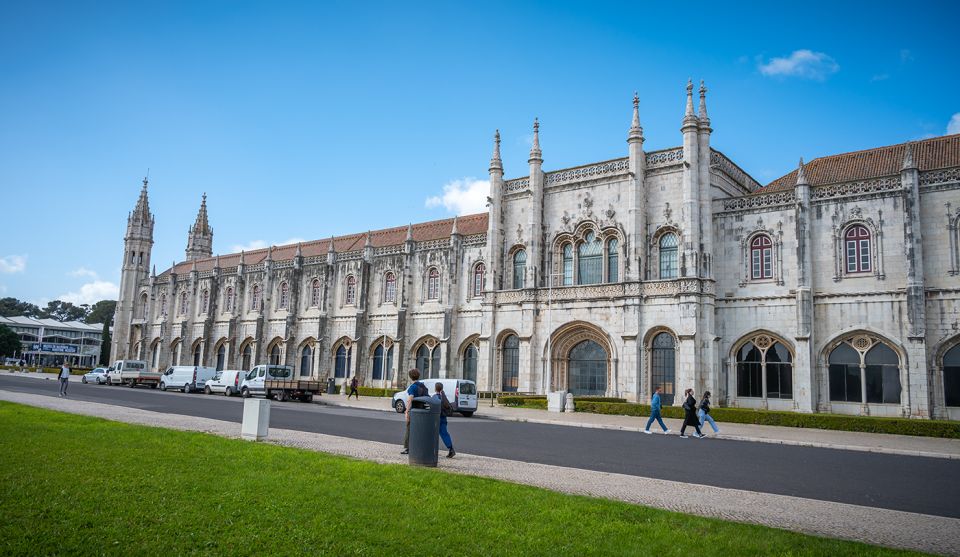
[837, 422]
[73, 370]
[540, 401]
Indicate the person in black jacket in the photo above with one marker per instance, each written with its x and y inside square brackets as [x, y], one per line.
[690, 415]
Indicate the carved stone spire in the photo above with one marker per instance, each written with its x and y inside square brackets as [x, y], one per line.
[908, 163]
[330, 248]
[141, 213]
[216, 264]
[636, 132]
[703, 105]
[299, 252]
[200, 235]
[369, 240]
[269, 253]
[801, 176]
[454, 231]
[409, 232]
[153, 272]
[495, 162]
[535, 153]
[689, 111]
[241, 257]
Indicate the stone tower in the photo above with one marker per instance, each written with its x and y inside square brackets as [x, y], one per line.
[137, 244]
[200, 235]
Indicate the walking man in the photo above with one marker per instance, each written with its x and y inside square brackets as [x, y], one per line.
[64, 378]
[353, 388]
[415, 389]
[690, 415]
[655, 413]
[446, 409]
[704, 413]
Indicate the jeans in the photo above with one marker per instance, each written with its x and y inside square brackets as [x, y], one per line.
[63, 386]
[655, 416]
[444, 434]
[706, 417]
[406, 435]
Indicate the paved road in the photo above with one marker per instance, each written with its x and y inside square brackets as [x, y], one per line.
[914, 484]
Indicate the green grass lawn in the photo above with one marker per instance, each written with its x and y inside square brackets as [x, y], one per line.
[74, 485]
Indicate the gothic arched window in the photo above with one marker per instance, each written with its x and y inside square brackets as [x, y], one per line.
[247, 357]
[433, 284]
[510, 363]
[306, 361]
[951, 376]
[764, 369]
[663, 366]
[519, 268]
[390, 288]
[284, 295]
[221, 357]
[864, 367]
[761, 257]
[315, 293]
[255, 298]
[350, 297]
[470, 357]
[382, 363]
[183, 303]
[590, 264]
[613, 260]
[142, 306]
[341, 367]
[428, 361]
[567, 264]
[196, 354]
[478, 272]
[668, 256]
[857, 246]
[275, 355]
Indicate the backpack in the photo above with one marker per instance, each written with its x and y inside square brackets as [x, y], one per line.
[422, 389]
[446, 408]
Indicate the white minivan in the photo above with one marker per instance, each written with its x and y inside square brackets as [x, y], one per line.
[226, 382]
[462, 394]
[186, 378]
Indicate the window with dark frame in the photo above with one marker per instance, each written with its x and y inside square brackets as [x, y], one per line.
[761, 257]
[857, 242]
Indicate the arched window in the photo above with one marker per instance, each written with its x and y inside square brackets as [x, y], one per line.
[155, 352]
[588, 369]
[183, 303]
[433, 284]
[951, 376]
[204, 301]
[613, 260]
[390, 288]
[315, 293]
[306, 361]
[255, 298]
[567, 264]
[478, 272]
[341, 367]
[247, 358]
[382, 366]
[229, 300]
[423, 361]
[142, 306]
[668, 256]
[663, 366]
[196, 354]
[221, 357]
[857, 240]
[351, 293]
[761, 257]
[519, 268]
[275, 355]
[284, 295]
[590, 264]
[177, 347]
[470, 356]
[163, 304]
[864, 368]
[510, 363]
[764, 359]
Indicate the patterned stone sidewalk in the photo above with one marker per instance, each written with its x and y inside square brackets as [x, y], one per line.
[837, 520]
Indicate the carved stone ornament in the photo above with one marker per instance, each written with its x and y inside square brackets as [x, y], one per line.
[856, 213]
[667, 212]
[565, 219]
[519, 233]
[610, 212]
[587, 201]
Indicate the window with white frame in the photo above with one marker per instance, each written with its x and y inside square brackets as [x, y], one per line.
[350, 297]
[519, 268]
[761, 257]
[857, 249]
[433, 284]
[478, 275]
[668, 256]
[315, 293]
[390, 287]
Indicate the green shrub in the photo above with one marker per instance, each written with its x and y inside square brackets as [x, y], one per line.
[837, 422]
[376, 391]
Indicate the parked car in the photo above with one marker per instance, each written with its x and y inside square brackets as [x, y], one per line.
[226, 382]
[186, 378]
[278, 382]
[462, 394]
[98, 376]
[131, 373]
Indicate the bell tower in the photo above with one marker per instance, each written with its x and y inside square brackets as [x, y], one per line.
[137, 245]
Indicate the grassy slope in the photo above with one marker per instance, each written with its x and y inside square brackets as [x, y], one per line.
[160, 491]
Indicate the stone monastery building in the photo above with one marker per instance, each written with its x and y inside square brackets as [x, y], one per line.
[835, 288]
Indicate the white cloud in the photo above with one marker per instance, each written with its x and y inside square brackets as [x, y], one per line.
[880, 77]
[92, 292]
[13, 264]
[462, 197]
[954, 125]
[83, 272]
[261, 244]
[905, 55]
[801, 63]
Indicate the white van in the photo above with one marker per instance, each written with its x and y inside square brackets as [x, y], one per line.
[226, 382]
[462, 394]
[186, 378]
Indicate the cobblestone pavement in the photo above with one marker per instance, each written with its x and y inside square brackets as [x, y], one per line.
[875, 526]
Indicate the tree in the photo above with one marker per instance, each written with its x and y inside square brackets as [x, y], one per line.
[64, 311]
[105, 344]
[9, 342]
[10, 307]
[102, 312]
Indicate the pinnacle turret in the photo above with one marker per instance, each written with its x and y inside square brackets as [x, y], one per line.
[454, 231]
[535, 153]
[801, 175]
[908, 163]
[636, 131]
[200, 235]
[495, 162]
[703, 105]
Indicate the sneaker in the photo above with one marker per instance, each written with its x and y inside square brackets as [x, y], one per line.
[647, 431]
[701, 436]
[683, 436]
[405, 451]
[666, 432]
[452, 453]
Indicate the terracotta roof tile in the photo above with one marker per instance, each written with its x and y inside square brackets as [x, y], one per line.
[433, 230]
[928, 154]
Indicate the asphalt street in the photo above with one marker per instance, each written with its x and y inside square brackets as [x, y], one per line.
[906, 483]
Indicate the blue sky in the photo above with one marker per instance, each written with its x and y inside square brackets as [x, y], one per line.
[302, 120]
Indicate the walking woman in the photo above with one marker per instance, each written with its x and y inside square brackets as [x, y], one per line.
[690, 415]
[704, 413]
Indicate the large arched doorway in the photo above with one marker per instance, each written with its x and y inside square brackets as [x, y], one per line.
[951, 376]
[588, 369]
[663, 366]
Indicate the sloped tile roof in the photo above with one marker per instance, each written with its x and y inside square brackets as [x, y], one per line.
[422, 232]
[928, 154]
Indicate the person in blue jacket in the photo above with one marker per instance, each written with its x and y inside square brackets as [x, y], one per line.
[655, 412]
[446, 409]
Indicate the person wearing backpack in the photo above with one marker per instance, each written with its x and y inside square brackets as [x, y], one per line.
[416, 389]
[446, 409]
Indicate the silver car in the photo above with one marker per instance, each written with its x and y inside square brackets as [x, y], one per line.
[98, 376]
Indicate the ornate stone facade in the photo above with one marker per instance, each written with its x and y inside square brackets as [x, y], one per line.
[832, 289]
